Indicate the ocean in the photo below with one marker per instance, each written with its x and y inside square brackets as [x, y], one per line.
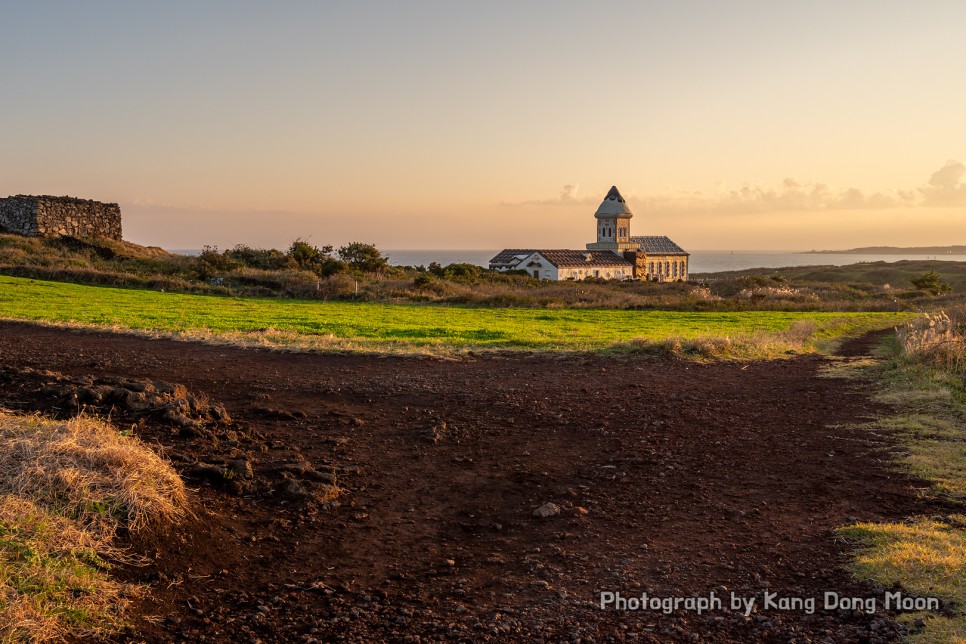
[706, 261]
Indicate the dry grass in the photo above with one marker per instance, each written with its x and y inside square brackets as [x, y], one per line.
[938, 340]
[88, 470]
[66, 488]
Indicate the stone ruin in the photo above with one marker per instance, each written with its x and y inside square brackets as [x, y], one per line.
[60, 216]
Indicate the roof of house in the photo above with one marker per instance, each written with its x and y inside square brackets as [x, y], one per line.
[512, 255]
[613, 205]
[658, 245]
[577, 258]
[561, 257]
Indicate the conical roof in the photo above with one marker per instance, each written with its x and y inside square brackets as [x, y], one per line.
[613, 205]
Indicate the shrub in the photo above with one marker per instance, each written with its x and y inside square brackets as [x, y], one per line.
[266, 259]
[932, 282]
[211, 262]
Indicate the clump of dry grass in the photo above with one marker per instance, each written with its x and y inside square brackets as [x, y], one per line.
[53, 581]
[938, 339]
[66, 488]
[88, 470]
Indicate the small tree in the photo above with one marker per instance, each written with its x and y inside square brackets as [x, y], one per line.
[363, 257]
[931, 281]
[318, 260]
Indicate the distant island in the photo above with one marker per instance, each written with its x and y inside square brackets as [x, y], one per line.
[894, 250]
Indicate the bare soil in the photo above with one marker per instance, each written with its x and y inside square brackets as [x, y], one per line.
[672, 478]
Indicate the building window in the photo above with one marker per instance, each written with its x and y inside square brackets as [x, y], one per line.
[650, 267]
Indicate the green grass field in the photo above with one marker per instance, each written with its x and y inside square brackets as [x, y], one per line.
[378, 326]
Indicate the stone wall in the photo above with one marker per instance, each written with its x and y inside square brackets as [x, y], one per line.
[57, 216]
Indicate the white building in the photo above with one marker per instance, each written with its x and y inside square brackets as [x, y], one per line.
[557, 264]
[615, 255]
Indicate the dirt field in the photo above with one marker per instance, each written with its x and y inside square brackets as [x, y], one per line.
[672, 478]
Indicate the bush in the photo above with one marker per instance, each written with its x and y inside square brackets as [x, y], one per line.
[363, 257]
[212, 262]
[312, 258]
[266, 259]
[931, 281]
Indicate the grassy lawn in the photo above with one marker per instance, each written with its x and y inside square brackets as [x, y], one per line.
[378, 326]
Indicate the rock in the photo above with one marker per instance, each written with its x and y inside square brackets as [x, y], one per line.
[241, 468]
[218, 413]
[239, 488]
[136, 401]
[171, 390]
[322, 477]
[88, 396]
[206, 472]
[295, 490]
[547, 510]
[298, 468]
[179, 419]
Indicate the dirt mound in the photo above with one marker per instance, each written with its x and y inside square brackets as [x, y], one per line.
[496, 498]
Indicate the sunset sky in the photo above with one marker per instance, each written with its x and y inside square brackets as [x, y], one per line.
[422, 125]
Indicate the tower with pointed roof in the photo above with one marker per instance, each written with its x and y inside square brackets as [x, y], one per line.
[613, 225]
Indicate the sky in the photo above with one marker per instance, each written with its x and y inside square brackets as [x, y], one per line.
[730, 124]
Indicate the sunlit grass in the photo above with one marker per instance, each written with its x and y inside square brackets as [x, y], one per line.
[926, 558]
[409, 327]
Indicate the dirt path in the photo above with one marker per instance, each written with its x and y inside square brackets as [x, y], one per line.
[673, 479]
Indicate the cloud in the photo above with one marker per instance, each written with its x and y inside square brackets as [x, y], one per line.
[569, 192]
[791, 195]
[947, 186]
[568, 196]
